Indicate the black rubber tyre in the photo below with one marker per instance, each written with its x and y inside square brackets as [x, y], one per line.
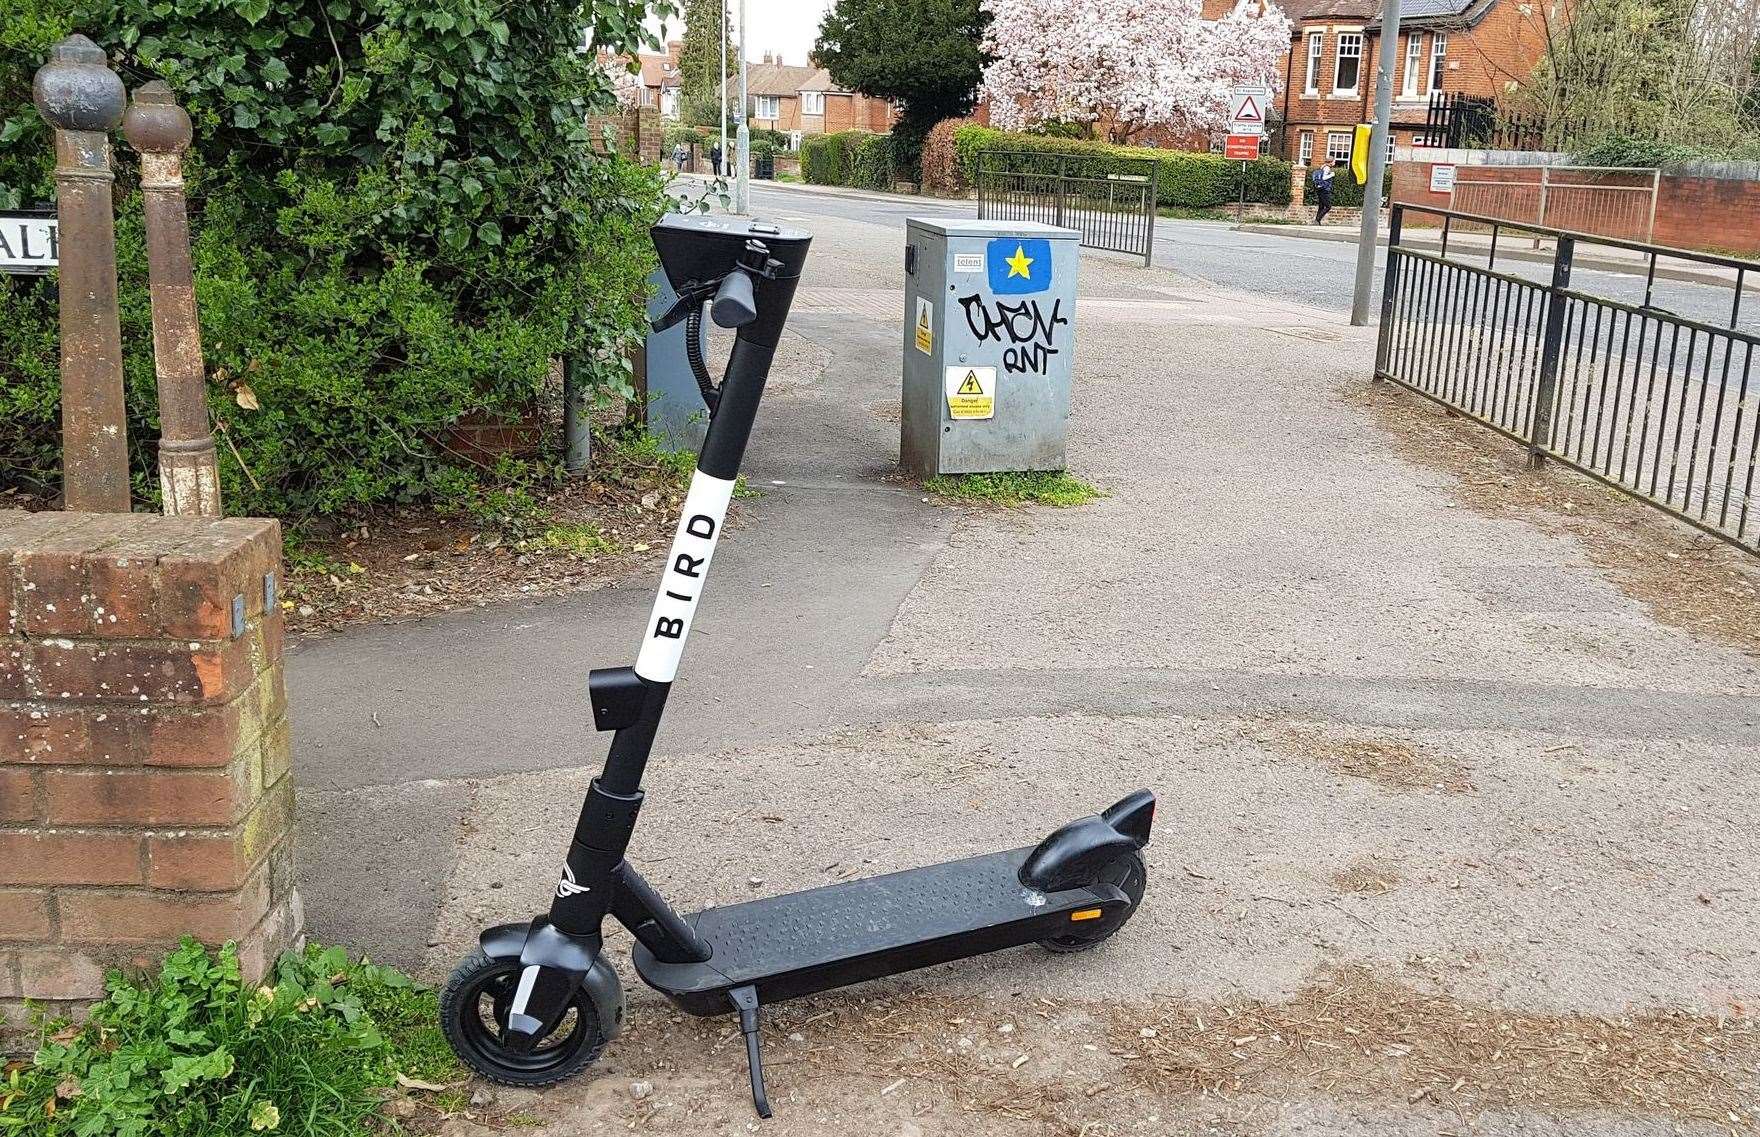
[1130, 876]
[473, 1007]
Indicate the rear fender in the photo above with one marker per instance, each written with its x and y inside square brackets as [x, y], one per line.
[1076, 854]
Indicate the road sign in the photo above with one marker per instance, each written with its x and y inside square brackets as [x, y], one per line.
[1247, 107]
[1241, 147]
[29, 241]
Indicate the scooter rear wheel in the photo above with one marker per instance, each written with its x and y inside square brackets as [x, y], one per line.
[473, 1013]
[1130, 876]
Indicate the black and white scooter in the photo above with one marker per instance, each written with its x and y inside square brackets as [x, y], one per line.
[539, 1001]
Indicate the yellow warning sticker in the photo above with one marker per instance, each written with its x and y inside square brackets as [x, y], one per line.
[971, 392]
[925, 326]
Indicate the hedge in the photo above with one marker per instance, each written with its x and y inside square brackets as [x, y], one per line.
[1187, 180]
[848, 158]
[1345, 190]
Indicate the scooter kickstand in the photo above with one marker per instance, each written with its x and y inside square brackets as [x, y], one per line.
[746, 999]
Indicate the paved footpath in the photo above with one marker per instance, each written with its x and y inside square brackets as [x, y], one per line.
[1401, 748]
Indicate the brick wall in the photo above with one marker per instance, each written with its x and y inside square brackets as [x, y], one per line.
[1720, 214]
[635, 131]
[144, 749]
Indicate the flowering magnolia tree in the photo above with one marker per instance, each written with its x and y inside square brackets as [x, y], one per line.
[1120, 67]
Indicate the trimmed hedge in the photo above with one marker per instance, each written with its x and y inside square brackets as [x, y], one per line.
[1345, 190]
[1187, 180]
[848, 158]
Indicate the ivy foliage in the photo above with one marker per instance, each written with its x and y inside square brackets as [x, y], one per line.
[401, 217]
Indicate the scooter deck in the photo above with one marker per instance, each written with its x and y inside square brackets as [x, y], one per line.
[803, 942]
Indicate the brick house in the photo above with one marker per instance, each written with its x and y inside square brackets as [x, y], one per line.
[659, 79]
[804, 100]
[1475, 47]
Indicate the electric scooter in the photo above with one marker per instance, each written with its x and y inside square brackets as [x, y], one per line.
[538, 1002]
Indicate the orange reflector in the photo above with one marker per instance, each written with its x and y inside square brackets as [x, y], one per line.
[1086, 914]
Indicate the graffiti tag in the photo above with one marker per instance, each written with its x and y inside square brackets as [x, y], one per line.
[1026, 327]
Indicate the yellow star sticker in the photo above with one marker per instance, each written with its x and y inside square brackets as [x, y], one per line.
[1017, 264]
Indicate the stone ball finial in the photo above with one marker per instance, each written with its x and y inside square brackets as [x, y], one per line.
[155, 124]
[76, 90]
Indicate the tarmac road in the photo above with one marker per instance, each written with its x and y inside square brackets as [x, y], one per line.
[1302, 270]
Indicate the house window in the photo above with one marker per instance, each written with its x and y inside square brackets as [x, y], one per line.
[1338, 147]
[770, 106]
[1350, 63]
[1414, 64]
[1311, 82]
[1438, 57]
[1306, 153]
[812, 102]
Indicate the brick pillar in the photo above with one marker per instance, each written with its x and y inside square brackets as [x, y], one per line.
[1298, 185]
[649, 132]
[144, 787]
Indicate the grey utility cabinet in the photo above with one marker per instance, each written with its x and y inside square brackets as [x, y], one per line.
[989, 343]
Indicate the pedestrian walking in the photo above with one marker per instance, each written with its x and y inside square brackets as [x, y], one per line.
[678, 156]
[1322, 179]
[715, 159]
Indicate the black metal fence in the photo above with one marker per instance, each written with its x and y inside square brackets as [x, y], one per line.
[1662, 406]
[1457, 120]
[1110, 201]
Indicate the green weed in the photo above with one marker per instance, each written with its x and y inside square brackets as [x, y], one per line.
[582, 538]
[1043, 487]
[191, 1052]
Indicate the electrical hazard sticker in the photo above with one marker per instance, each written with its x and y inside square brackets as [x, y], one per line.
[925, 326]
[971, 392]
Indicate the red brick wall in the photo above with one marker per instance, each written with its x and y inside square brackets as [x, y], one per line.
[1720, 214]
[144, 753]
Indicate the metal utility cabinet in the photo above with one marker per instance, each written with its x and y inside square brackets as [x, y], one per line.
[989, 343]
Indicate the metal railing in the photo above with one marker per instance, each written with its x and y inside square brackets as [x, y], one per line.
[1111, 205]
[1609, 201]
[1660, 405]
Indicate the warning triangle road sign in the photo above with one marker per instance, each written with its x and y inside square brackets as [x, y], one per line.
[1249, 111]
[971, 386]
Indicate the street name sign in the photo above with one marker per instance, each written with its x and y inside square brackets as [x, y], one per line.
[30, 241]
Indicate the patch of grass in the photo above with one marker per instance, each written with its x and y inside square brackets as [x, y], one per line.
[1041, 487]
[582, 538]
[193, 1052]
[675, 467]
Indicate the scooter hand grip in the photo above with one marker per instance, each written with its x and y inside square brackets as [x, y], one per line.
[733, 306]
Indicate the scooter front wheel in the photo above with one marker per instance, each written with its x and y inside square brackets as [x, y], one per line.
[473, 1013]
[1130, 875]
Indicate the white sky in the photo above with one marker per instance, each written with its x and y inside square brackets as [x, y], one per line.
[786, 26]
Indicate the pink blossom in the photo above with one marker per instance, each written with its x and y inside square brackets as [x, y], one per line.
[1126, 65]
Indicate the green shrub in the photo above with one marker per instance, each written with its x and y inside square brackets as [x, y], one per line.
[848, 158]
[825, 158]
[689, 135]
[400, 221]
[1345, 190]
[194, 1053]
[1186, 180]
[872, 162]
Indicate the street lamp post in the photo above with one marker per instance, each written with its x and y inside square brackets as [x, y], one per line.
[742, 185]
[721, 65]
[1377, 163]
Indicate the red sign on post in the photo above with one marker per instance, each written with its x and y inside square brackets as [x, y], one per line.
[1241, 147]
